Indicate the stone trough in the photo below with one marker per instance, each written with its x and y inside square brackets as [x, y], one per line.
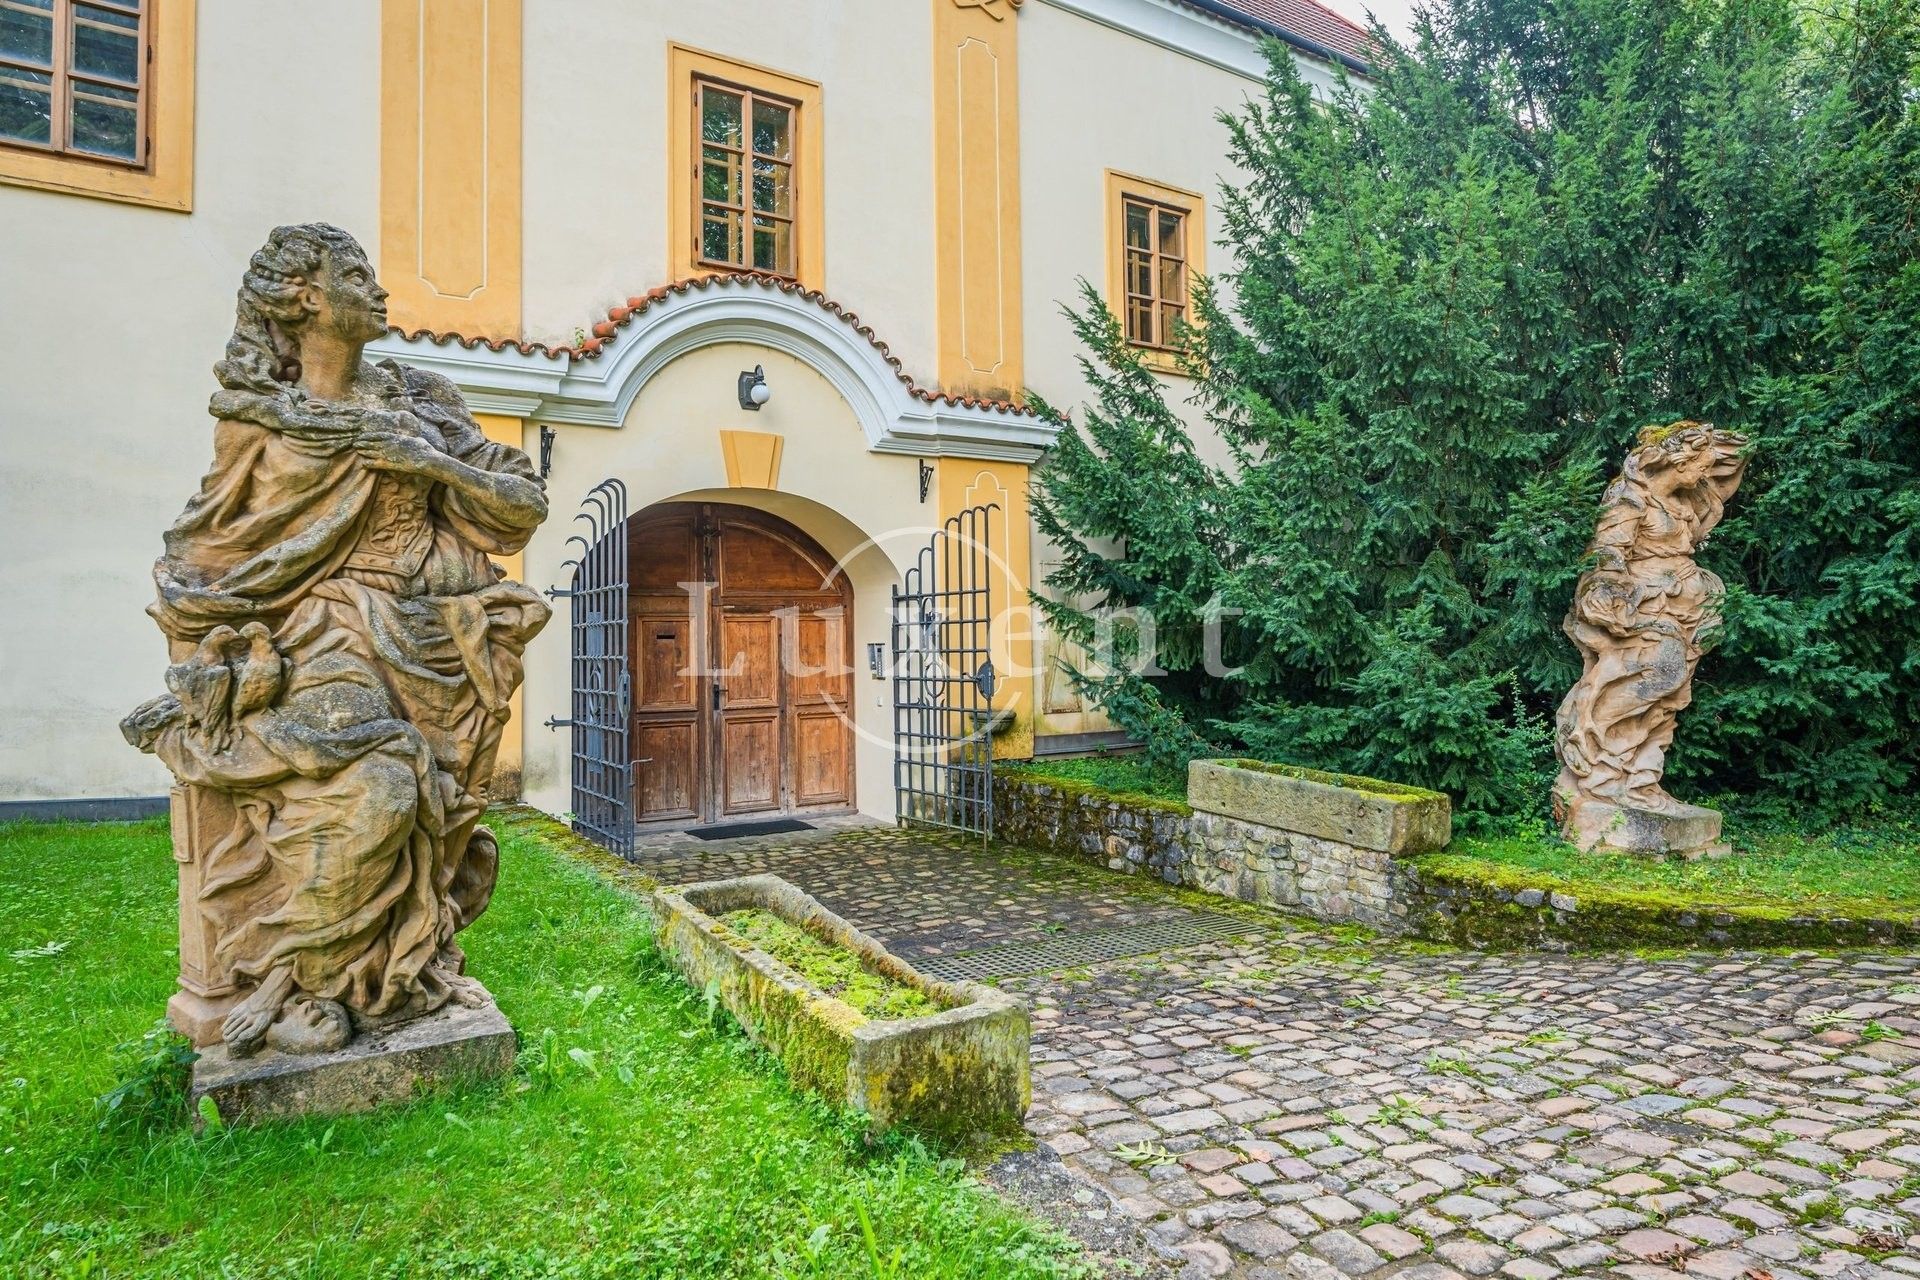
[954, 1073]
[1366, 813]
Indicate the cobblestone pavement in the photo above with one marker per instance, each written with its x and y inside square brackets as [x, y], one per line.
[925, 894]
[1303, 1106]
[1317, 1104]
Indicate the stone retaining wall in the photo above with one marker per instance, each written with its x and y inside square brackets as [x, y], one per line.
[1325, 879]
[1138, 835]
[1336, 881]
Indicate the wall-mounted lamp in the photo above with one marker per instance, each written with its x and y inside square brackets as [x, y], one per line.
[754, 390]
[546, 450]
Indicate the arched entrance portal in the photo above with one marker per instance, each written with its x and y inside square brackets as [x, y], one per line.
[741, 633]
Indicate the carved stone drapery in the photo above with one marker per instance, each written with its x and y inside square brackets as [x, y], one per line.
[1642, 615]
[343, 651]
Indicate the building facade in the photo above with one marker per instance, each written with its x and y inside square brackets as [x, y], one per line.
[783, 274]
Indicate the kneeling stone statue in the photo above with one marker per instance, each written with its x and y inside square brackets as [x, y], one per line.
[343, 652]
[1641, 617]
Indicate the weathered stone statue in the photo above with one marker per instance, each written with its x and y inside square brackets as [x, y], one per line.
[1641, 616]
[343, 652]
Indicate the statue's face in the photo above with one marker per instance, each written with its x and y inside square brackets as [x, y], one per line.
[345, 299]
[1697, 467]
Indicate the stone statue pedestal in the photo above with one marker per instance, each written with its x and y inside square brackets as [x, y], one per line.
[377, 1068]
[1687, 831]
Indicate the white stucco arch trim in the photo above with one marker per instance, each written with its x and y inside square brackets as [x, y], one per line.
[895, 415]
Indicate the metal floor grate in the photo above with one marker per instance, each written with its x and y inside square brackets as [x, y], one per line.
[1096, 946]
[741, 830]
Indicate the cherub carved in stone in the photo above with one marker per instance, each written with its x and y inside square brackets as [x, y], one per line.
[1641, 617]
[344, 649]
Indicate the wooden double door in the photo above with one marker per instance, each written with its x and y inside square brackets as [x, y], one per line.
[741, 643]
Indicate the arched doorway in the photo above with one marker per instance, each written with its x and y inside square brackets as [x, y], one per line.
[742, 662]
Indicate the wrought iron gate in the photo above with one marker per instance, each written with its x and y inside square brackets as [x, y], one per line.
[944, 681]
[602, 686]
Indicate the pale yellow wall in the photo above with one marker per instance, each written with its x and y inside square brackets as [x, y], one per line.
[111, 316]
[450, 92]
[1074, 129]
[976, 187]
[671, 448]
[507, 763]
[1002, 486]
[596, 151]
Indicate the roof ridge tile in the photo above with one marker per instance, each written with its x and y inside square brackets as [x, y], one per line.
[622, 315]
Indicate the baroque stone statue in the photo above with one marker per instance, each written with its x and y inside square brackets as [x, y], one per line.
[343, 651]
[1642, 614]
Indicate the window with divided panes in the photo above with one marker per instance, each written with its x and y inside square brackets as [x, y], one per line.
[1155, 271]
[745, 206]
[73, 77]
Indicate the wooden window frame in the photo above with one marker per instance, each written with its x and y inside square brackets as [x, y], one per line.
[688, 70]
[64, 16]
[162, 176]
[1123, 189]
[747, 158]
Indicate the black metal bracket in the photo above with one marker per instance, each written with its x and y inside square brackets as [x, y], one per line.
[755, 377]
[986, 680]
[926, 479]
[547, 435]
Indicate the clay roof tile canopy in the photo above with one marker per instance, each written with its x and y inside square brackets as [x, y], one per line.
[1306, 18]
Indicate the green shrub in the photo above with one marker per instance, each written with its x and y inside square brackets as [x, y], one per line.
[1458, 295]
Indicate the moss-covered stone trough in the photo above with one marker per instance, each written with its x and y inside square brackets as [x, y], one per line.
[1363, 812]
[956, 1072]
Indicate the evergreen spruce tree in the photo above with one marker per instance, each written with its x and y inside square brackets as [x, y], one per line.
[1457, 294]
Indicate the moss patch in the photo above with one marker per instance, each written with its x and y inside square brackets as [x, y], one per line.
[835, 970]
[1352, 781]
[1127, 779]
[1868, 870]
[1846, 886]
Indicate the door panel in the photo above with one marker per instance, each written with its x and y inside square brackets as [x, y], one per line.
[751, 773]
[820, 747]
[669, 726]
[755, 558]
[667, 671]
[749, 762]
[666, 553]
[820, 657]
[666, 770]
[750, 659]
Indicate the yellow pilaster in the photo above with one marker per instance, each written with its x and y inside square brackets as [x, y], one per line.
[450, 164]
[976, 182]
[507, 765]
[963, 483]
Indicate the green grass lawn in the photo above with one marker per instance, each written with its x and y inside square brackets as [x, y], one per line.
[1866, 870]
[637, 1138]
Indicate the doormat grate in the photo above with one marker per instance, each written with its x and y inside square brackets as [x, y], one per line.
[741, 830]
[1096, 946]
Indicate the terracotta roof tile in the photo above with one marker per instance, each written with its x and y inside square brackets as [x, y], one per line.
[1311, 19]
[607, 331]
[440, 339]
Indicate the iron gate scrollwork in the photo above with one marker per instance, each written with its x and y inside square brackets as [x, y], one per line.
[602, 709]
[944, 680]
